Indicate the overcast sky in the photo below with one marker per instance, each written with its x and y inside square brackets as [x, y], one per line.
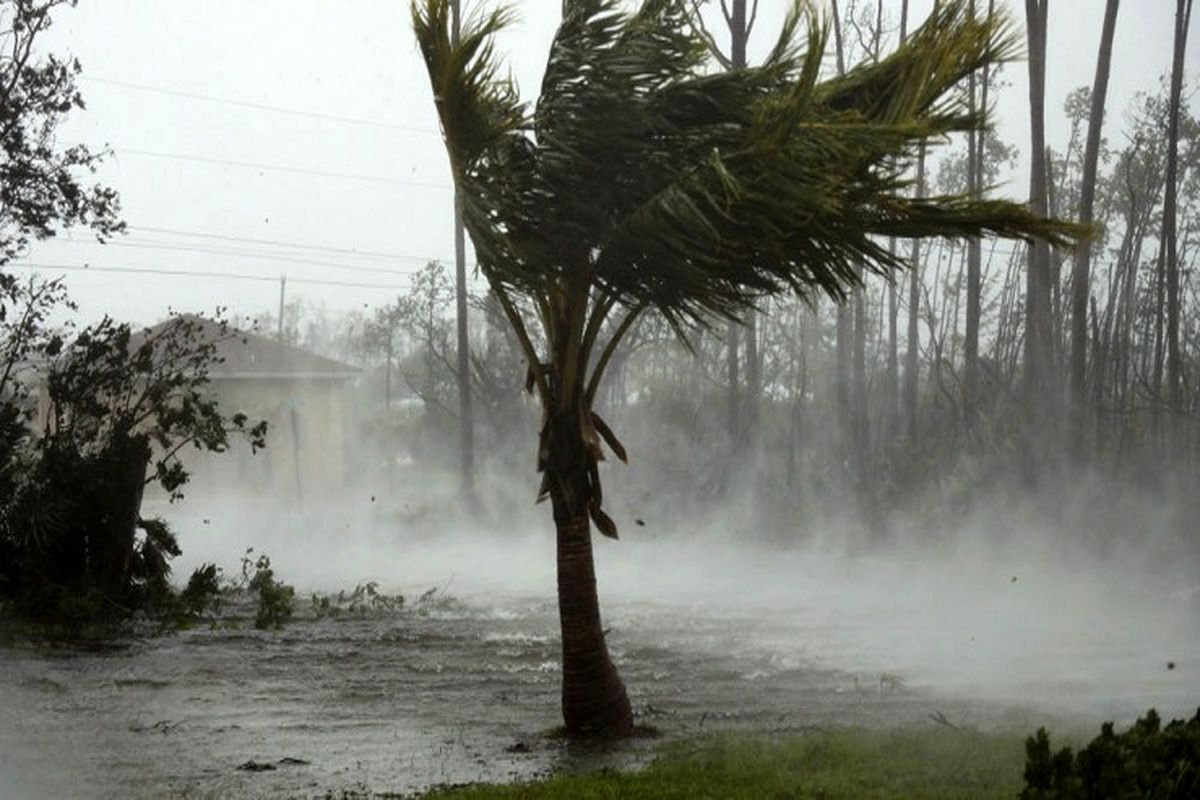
[298, 137]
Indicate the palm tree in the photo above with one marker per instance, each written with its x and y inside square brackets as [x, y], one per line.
[647, 180]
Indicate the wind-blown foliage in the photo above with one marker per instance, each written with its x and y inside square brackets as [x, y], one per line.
[643, 178]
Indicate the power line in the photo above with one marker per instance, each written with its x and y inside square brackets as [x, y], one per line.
[143, 245]
[226, 162]
[290, 245]
[261, 106]
[210, 275]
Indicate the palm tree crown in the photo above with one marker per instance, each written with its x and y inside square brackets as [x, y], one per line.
[650, 180]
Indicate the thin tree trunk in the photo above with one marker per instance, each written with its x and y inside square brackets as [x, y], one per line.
[862, 433]
[1081, 269]
[1160, 290]
[387, 372]
[974, 261]
[892, 381]
[911, 356]
[1183, 14]
[846, 342]
[892, 375]
[1038, 391]
[738, 34]
[892, 367]
[753, 379]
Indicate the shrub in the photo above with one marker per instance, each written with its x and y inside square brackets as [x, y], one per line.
[1148, 760]
[365, 599]
[119, 408]
[203, 590]
[276, 601]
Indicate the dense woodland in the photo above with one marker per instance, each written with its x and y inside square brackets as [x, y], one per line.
[989, 364]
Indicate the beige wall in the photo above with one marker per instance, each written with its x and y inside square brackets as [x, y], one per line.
[307, 422]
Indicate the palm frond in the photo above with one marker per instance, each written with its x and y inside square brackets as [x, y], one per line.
[645, 174]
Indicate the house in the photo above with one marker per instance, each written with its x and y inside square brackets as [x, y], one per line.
[305, 399]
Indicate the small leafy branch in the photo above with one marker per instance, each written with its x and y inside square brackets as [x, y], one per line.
[276, 600]
[365, 600]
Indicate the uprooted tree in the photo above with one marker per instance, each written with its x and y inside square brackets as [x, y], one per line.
[646, 180]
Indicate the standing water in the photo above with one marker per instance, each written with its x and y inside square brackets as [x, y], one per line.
[462, 684]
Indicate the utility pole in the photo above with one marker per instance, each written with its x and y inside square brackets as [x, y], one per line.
[466, 423]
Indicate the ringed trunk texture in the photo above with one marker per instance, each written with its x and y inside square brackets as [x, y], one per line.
[594, 701]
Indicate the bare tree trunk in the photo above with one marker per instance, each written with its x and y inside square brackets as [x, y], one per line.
[846, 397]
[1081, 269]
[738, 34]
[891, 389]
[734, 413]
[912, 354]
[387, 372]
[862, 433]
[974, 261]
[1160, 292]
[913, 348]
[1183, 14]
[753, 378]
[891, 413]
[1038, 391]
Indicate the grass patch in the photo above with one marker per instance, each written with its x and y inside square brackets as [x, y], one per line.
[845, 763]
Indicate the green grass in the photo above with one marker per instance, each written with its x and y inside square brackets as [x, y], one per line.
[846, 763]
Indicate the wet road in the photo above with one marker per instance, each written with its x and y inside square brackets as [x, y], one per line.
[460, 688]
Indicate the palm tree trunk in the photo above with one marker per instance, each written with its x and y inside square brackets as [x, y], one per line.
[594, 700]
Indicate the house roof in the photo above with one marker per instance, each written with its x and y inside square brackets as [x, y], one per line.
[247, 355]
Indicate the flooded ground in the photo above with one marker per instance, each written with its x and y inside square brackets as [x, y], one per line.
[460, 687]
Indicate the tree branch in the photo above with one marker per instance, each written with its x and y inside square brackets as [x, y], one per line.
[697, 23]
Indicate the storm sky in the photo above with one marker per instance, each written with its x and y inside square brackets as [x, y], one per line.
[298, 137]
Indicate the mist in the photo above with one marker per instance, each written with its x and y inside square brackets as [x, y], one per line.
[308, 471]
[1072, 612]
